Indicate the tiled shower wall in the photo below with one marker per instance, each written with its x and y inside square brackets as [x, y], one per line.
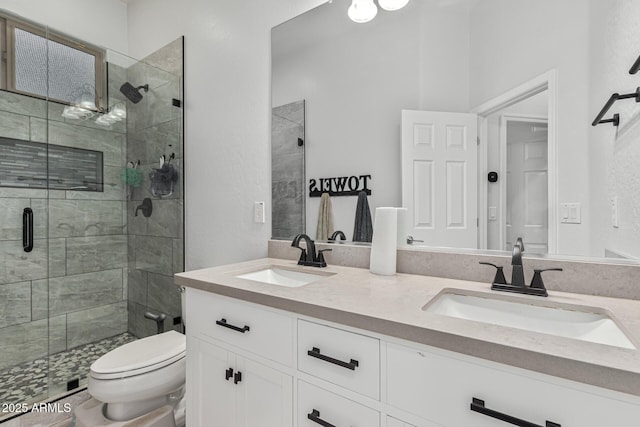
[287, 170]
[83, 246]
[156, 244]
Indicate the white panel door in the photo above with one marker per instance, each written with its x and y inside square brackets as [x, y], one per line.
[265, 396]
[211, 396]
[527, 208]
[439, 177]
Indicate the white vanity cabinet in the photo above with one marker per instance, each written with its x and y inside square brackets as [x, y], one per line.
[298, 371]
[226, 389]
[442, 388]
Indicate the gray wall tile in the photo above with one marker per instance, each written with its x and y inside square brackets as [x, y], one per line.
[57, 334]
[96, 323]
[86, 254]
[110, 143]
[72, 218]
[16, 265]
[15, 303]
[163, 295]
[82, 291]
[178, 255]
[39, 299]
[21, 104]
[11, 218]
[137, 286]
[27, 341]
[154, 254]
[14, 125]
[166, 220]
[57, 257]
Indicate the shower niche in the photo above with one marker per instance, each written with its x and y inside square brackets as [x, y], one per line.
[94, 268]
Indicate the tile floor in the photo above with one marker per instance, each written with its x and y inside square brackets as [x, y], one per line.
[30, 381]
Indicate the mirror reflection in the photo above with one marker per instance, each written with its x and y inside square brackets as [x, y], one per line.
[534, 74]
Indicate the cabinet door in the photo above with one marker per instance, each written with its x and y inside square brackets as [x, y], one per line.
[210, 396]
[265, 396]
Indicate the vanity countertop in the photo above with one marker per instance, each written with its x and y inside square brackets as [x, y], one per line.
[392, 305]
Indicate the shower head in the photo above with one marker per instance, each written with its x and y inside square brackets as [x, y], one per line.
[132, 93]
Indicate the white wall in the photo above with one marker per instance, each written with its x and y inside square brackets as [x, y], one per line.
[357, 79]
[537, 36]
[100, 22]
[228, 114]
[615, 153]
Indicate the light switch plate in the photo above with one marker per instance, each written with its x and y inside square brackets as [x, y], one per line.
[570, 213]
[258, 212]
[493, 213]
[614, 212]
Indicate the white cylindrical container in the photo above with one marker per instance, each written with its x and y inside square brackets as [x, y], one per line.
[385, 241]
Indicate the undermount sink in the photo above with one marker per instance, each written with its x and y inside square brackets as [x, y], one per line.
[569, 322]
[283, 277]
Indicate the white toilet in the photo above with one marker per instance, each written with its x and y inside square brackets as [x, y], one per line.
[141, 381]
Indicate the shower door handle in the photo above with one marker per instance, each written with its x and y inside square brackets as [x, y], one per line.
[27, 229]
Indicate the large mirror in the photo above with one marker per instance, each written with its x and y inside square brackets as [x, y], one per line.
[534, 73]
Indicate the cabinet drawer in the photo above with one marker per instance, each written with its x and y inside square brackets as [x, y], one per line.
[335, 410]
[440, 388]
[244, 325]
[343, 358]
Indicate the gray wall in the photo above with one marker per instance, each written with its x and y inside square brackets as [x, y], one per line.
[71, 289]
[156, 244]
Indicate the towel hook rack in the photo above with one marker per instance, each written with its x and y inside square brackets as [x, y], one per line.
[612, 99]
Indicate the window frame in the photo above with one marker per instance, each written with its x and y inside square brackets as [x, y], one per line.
[8, 24]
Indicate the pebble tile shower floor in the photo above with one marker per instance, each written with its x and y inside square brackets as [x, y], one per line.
[29, 381]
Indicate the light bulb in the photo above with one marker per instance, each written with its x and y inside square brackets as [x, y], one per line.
[362, 11]
[391, 5]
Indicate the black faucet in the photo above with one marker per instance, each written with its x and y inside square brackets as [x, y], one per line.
[517, 272]
[337, 234]
[308, 256]
[517, 276]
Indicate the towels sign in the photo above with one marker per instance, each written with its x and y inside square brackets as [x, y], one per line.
[340, 186]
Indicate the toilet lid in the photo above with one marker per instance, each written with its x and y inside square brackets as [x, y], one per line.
[141, 356]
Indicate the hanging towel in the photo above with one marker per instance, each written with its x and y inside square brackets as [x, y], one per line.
[325, 218]
[363, 227]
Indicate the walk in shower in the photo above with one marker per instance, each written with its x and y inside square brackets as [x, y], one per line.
[91, 205]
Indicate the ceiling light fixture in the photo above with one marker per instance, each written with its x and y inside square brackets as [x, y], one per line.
[392, 5]
[362, 11]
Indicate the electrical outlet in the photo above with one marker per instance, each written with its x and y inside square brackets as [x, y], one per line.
[258, 212]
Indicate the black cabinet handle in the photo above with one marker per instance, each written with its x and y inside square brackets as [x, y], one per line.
[27, 229]
[477, 405]
[228, 374]
[237, 377]
[223, 322]
[315, 417]
[315, 352]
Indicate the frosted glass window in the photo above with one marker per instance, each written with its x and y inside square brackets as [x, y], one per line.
[51, 69]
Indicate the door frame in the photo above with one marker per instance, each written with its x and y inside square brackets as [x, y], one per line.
[504, 121]
[544, 82]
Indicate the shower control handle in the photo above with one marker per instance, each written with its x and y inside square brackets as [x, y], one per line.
[27, 229]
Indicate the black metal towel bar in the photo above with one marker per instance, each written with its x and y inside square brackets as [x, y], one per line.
[612, 99]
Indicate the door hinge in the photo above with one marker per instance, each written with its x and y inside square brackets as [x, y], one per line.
[477, 222]
[477, 140]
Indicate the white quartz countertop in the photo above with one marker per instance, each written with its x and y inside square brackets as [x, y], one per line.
[392, 305]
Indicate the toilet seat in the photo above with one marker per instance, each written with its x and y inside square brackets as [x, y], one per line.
[141, 356]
